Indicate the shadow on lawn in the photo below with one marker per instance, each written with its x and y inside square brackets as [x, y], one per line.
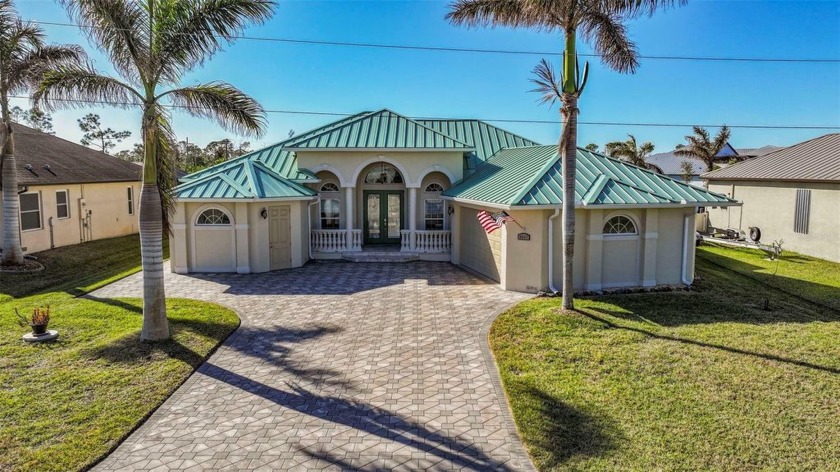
[733, 350]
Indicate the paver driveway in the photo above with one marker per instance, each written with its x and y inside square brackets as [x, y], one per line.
[336, 366]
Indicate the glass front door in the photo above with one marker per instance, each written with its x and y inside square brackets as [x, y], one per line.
[383, 216]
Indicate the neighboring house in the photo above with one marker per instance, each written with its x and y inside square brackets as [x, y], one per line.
[70, 193]
[792, 194]
[671, 164]
[381, 180]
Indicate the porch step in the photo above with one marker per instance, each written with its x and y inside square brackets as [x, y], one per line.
[380, 256]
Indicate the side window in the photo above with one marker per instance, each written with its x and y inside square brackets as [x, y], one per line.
[330, 213]
[433, 207]
[62, 205]
[213, 217]
[30, 211]
[130, 200]
[619, 225]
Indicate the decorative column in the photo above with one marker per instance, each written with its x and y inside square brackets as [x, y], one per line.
[412, 217]
[349, 193]
[178, 257]
[594, 250]
[242, 231]
[651, 236]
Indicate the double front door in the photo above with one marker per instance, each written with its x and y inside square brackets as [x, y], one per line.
[383, 216]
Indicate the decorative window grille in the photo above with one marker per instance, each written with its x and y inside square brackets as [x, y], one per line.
[213, 217]
[620, 225]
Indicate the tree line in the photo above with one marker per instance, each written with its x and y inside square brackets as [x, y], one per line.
[187, 156]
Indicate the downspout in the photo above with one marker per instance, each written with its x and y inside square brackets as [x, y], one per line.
[52, 237]
[686, 247]
[309, 225]
[551, 250]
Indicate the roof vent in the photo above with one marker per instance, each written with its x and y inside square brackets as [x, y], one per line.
[47, 168]
[29, 168]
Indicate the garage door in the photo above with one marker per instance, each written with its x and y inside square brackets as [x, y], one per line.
[480, 251]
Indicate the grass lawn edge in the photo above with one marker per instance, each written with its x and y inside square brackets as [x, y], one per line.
[521, 450]
[145, 422]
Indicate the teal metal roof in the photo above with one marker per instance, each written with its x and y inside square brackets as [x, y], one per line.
[380, 130]
[242, 179]
[532, 176]
[485, 138]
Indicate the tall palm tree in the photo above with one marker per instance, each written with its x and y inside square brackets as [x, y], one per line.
[23, 58]
[600, 22]
[633, 153]
[701, 146]
[152, 44]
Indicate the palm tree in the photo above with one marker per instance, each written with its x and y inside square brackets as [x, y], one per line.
[152, 44]
[631, 152]
[701, 146]
[23, 57]
[600, 22]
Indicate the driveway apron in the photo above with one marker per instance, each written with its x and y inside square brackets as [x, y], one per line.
[337, 366]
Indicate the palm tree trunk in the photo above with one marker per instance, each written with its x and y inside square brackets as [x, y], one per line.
[568, 156]
[155, 324]
[12, 252]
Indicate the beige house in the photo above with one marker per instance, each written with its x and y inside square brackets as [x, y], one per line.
[70, 194]
[792, 194]
[378, 186]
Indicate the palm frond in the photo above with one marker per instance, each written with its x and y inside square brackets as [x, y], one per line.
[475, 13]
[549, 86]
[26, 71]
[721, 138]
[634, 8]
[191, 32]
[165, 159]
[609, 34]
[76, 86]
[223, 103]
[18, 39]
[120, 28]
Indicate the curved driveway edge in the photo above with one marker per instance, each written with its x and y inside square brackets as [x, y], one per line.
[337, 366]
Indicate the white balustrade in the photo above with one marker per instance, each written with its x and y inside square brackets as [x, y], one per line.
[335, 240]
[426, 241]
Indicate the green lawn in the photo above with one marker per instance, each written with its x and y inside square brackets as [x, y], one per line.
[66, 404]
[700, 380]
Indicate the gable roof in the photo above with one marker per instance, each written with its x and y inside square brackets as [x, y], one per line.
[244, 179]
[815, 160]
[44, 159]
[531, 176]
[379, 130]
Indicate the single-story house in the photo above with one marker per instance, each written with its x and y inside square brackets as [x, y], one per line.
[671, 164]
[69, 193]
[792, 194]
[416, 187]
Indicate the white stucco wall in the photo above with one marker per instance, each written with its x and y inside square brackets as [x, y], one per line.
[770, 206]
[107, 202]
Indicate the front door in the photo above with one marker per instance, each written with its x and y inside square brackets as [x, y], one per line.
[279, 237]
[383, 216]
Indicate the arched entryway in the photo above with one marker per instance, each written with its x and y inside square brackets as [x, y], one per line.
[383, 204]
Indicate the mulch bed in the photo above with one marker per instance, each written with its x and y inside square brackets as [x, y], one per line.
[28, 266]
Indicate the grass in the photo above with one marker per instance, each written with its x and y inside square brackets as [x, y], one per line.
[700, 380]
[67, 404]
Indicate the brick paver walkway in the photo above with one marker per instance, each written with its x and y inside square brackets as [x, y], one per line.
[336, 366]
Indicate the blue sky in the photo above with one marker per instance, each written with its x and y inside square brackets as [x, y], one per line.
[437, 84]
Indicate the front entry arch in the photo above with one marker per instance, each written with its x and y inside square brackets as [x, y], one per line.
[383, 203]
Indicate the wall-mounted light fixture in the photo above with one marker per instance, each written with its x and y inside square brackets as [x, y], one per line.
[264, 213]
[450, 210]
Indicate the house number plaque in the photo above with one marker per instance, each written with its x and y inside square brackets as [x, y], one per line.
[523, 237]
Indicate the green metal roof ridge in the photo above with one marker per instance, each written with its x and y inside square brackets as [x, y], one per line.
[530, 184]
[288, 182]
[595, 189]
[488, 123]
[293, 142]
[252, 178]
[237, 187]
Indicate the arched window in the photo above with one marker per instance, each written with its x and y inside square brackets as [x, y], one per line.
[433, 207]
[383, 174]
[620, 225]
[213, 217]
[329, 187]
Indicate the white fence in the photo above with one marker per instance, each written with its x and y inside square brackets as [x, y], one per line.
[336, 240]
[426, 241]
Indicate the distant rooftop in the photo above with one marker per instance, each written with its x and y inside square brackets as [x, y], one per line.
[671, 164]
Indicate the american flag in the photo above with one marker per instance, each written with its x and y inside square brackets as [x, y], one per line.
[492, 222]
[488, 222]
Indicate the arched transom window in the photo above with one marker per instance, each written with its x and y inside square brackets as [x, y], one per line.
[434, 187]
[383, 174]
[213, 217]
[329, 187]
[620, 225]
